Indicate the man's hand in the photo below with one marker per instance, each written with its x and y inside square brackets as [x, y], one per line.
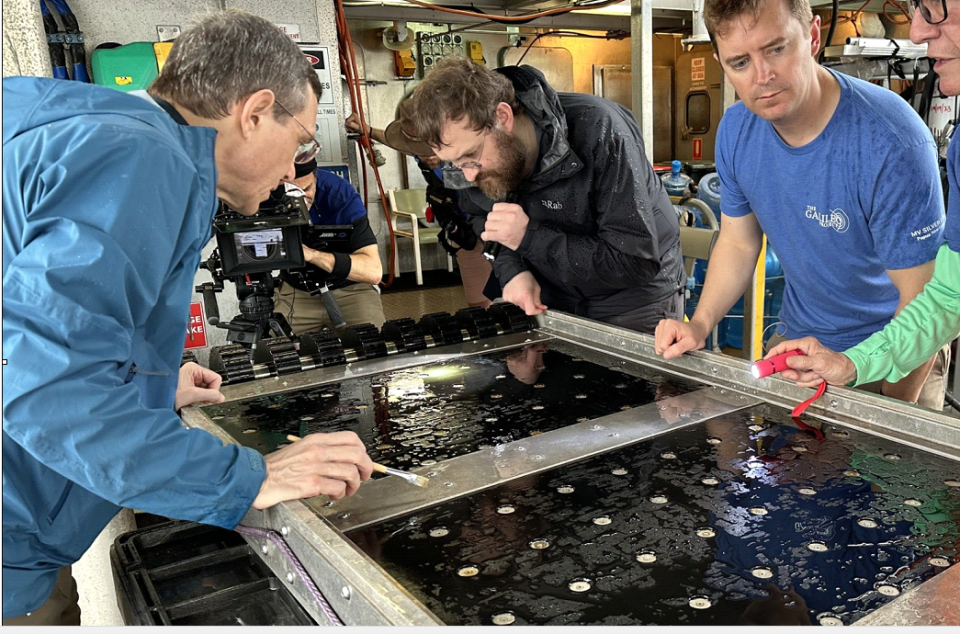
[197, 384]
[506, 224]
[331, 464]
[353, 124]
[524, 291]
[674, 337]
[817, 364]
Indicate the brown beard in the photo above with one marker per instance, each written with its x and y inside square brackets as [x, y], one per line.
[497, 183]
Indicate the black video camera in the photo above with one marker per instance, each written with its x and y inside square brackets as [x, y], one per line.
[266, 241]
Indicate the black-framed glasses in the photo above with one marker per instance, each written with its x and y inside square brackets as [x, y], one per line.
[932, 11]
[450, 166]
[307, 151]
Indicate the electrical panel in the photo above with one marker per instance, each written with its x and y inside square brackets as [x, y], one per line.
[433, 47]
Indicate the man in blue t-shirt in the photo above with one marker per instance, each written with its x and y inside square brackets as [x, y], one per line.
[348, 266]
[841, 176]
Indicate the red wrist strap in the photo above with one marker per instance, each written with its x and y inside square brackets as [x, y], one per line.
[802, 407]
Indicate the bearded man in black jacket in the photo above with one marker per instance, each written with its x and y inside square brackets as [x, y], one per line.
[562, 183]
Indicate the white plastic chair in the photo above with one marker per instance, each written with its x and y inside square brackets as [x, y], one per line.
[408, 206]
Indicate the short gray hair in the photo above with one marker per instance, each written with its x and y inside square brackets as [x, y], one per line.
[228, 55]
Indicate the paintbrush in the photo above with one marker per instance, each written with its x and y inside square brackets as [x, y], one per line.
[412, 478]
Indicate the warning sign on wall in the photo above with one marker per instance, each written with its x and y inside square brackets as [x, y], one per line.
[698, 69]
[196, 333]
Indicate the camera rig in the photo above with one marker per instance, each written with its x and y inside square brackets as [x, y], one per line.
[249, 249]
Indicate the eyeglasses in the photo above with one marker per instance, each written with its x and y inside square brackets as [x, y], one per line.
[450, 166]
[307, 151]
[932, 11]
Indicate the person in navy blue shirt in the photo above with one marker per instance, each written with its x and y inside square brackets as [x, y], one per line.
[349, 268]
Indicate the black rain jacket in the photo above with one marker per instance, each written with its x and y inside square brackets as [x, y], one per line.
[603, 237]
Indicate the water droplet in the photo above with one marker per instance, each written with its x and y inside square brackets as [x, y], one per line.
[706, 532]
[807, 491]
[892, 457]
[440, 531]
[714, 441]
[468, 571]
[539, 544]
[939, 562]
[565, 488]
[866, 522]
[659, 499]
[581, 396]
[818, 547]
[757, 510]
[602, 521]
[799, 449]
[668, 455]
[710, 481]
[761, 572]
[646, 556]
[250, 430]
[913, 502]
[539, 386]
[952, 483]
[852, 473]
[506, 509]
[619, 471]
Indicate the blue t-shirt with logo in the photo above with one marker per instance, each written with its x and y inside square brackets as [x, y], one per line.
[862, 198]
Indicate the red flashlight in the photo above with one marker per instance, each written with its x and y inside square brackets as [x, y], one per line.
[765, 367]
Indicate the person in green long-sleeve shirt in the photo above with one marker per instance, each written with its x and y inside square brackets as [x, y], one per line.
[932, 319]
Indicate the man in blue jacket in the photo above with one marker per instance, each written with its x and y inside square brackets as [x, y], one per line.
[108, 199]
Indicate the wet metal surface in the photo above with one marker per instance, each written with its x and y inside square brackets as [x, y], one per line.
[419, 416]
[464, 475]
[636, 536]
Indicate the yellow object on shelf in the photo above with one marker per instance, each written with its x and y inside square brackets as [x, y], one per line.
[475, 52]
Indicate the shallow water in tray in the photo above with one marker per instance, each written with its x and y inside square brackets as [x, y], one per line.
[417, 416]
[744, 519]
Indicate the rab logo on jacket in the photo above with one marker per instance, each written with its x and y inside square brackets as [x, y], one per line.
[836, 219]
[551, 204]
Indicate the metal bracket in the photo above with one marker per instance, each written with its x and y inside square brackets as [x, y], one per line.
[168, 32]
[65, 38]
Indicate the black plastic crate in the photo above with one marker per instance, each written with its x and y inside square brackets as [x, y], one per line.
[183, 573]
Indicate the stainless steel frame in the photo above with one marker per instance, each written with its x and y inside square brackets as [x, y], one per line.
[363, 594]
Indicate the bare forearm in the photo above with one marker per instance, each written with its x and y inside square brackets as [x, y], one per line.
[728, 273]
[364, 266]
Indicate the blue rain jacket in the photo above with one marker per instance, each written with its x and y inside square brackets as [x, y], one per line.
[106, 205]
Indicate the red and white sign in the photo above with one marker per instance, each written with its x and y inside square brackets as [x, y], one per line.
[698, 69]
[196, 329]
[698, 149]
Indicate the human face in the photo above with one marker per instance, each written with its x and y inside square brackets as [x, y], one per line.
[308, 184]
[943, 45]
[770, 61]
[255, 150]
[496, 168]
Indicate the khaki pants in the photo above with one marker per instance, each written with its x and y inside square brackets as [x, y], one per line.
[933, 390]
[359, 304]
[62, 608]
[475, 270]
